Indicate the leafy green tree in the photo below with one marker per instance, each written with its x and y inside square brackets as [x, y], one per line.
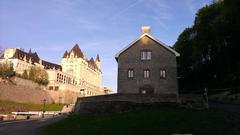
[6, 70]
[209, 49]
[38, 75]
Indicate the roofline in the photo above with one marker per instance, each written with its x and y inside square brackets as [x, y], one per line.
[146, 34]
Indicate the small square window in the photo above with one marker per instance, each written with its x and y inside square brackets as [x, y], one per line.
[146, 55]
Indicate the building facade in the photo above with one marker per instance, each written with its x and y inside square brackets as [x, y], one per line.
[147, 66]
[76, 72]
[87, 73]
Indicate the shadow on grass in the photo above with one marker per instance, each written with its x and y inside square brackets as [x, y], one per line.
[151, 121]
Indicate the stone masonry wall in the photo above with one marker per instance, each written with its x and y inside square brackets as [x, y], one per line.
[124, 102]
[28, 91]
[161, 59]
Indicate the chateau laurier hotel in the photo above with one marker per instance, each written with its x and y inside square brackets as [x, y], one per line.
[76, 72]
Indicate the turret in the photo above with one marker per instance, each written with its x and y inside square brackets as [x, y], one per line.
[98, 62]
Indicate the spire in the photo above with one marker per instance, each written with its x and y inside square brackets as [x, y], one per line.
[30, 50]
[97, 58]
[91, 59]
[65, 54]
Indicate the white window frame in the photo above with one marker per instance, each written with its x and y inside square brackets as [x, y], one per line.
[130, 73]
[146, 73]
[146, 55]
[162, 73]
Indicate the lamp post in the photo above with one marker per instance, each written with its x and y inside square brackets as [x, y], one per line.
[205, 94]
[43, 108]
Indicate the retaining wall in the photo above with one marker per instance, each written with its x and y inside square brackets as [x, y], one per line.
[124, 102]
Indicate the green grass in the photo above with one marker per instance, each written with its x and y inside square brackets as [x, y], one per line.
[7, 106]
[155, 121]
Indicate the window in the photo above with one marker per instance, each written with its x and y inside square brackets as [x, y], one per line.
[50, 88]
[162, 73]
[56, 87]
[130, 73]
[146, 73]
[146, 55]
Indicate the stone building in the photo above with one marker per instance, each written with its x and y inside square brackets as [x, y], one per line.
[87, 73]
[21, 60]
[147, 66]
[76, 72]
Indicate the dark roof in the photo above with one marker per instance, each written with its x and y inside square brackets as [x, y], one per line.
[65, 54]
[97, 58]
[49, 65]
[19, 54]
[77, 52]
[92, 64]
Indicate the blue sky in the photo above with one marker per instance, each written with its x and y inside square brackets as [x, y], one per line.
[101, 27]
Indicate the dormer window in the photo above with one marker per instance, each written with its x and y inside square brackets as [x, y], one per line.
[146, 55]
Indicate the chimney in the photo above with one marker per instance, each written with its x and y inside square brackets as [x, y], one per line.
[146, 29]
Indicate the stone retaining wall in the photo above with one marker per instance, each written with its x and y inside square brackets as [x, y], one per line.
[124, 102]
[26, 91]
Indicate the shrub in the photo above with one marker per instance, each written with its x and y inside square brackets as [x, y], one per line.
[25, 74]
[38, 75]
[6, 70]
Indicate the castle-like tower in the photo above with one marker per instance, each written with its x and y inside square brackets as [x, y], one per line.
[86, 71]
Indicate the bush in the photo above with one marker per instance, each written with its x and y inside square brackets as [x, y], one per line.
[38, 75]
[25, 74]
[6, 70]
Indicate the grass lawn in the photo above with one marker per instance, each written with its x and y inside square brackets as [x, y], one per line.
[7, 106]
[154, 121]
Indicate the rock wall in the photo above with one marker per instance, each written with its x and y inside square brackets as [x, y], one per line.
[23, 94]
[120, 102]
[124, 102]
[27, 83]
[27, 91]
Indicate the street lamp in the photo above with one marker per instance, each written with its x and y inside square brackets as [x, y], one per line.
[43, 108]
[205, 95]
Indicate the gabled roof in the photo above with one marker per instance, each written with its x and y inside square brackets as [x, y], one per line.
[154, 39]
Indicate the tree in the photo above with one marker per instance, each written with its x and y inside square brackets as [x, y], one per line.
[25, 74]
[209, 49]
[38, 75]
[6, 70]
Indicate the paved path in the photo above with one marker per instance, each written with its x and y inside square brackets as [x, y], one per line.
[226, 107]
[26, 127]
